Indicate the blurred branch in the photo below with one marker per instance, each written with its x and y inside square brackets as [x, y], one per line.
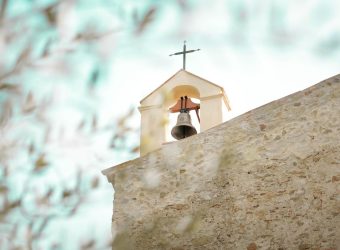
[34, 207]
[146, 19]
[3, 8]
[9, 87]
[23, 16]
[20, 63]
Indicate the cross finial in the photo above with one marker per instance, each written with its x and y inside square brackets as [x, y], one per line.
[184, 52]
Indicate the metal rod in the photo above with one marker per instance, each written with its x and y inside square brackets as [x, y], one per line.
[198, 117]
[184, 53]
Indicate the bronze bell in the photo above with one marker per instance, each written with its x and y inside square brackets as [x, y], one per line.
[183, 128]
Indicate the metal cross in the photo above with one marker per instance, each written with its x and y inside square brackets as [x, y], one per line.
[184, 52]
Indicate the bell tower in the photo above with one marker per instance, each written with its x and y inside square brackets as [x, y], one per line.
[178, 90]
[156, 106]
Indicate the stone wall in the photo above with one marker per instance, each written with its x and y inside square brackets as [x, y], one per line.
[268, 179]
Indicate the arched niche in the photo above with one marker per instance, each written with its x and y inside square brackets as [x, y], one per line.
[181, 90]
[174, 96]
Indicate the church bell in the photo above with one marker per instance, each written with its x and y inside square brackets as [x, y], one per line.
[183, 128]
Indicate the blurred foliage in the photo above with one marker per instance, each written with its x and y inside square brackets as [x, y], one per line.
[50, 54]
[34, 41]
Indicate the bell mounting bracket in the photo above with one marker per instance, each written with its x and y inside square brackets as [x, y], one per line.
[184, 105]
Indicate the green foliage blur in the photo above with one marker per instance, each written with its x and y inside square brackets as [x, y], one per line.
[56, 130]
[53, 62]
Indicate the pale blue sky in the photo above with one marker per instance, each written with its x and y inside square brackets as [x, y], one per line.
[258, 51]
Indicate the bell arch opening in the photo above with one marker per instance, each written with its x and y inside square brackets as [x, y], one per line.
[181, 90]
[175, 94]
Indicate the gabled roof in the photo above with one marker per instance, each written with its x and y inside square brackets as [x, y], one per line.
[176, 75]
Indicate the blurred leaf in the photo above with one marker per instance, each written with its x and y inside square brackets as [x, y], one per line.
[5, 171]
[81, 125]
[29, 235]
[135, 149]
[29, 97]
[46, 49]
[122, 241]
[194, 224]
[88, 245]
[67, 194]
[47, 133]
[31, 148]
[29, 104]
[51, 14]
[40, 163]
[3, 189]
[42, 201]
[94, 122]
[74, 210]
[49, 192]
[329, 45]
[9, 87]
[183, 4]
[7, 111]
[94, 78]
[42, 226]
[123, 120]
[91, 36]
[78, 183]
[95, 182]
[112, 144]
[55, 246]
[109, 243]
[14, 231]
[135, 16]
[23, 55]
[146, 20]
[15, 204]
[94, 75]
[3, 9]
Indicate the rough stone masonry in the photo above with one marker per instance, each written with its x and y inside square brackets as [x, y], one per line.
[268, 179]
